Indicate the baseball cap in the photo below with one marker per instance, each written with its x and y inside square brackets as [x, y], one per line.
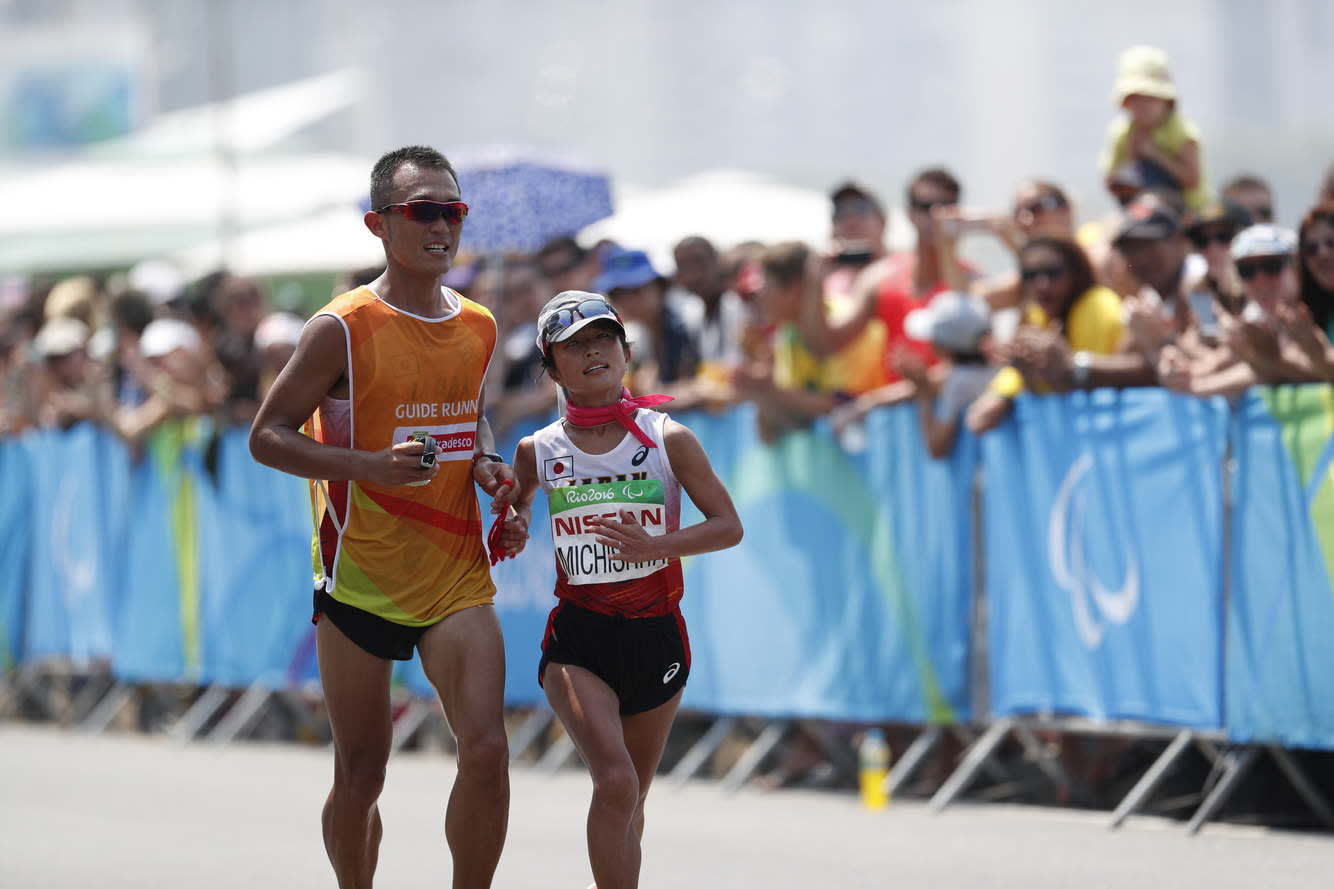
[570, 311]
[953, 322]
[60, 336]
[166, 335]
[1263, 240]
[279, 328]
[1148, 218]
[1221, 212]
[623, 268]
[853, 189]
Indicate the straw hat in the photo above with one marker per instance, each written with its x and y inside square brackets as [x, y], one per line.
[1144, 72]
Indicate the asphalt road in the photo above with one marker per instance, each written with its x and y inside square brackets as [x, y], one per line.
[121, 811]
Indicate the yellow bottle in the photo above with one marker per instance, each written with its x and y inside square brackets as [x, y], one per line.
[874, 757]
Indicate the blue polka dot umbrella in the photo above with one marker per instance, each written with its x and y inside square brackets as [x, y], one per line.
[517, 203]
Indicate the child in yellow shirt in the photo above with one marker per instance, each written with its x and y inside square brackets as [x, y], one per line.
[1153, 138]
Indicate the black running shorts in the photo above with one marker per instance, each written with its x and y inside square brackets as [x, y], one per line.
[645, 660]
[372, 633]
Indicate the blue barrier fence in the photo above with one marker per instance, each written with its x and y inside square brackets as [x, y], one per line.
[1117, 583]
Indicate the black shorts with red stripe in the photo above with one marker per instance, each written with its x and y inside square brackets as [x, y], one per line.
[644, 660]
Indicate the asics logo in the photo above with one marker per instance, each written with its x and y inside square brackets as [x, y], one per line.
[671, 671]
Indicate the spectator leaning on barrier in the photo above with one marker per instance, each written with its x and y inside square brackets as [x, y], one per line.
[1070, 338]
[69, 388]
[958, 326]
[717, 319]
[174, 365]
[1254, 347]
[1211, 231]
[1309, 321]
[1174, 304]
[794, 386]
[1153, 136]
[1253, 194]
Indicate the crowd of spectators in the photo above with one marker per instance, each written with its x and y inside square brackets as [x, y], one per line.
[1189, 287]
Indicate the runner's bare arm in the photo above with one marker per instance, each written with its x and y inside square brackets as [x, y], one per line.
[515, 536]
[276, 440]
[720, 529]
[496, 479]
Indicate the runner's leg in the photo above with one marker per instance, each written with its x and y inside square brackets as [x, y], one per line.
[645, 737]
[356, 692]
[464, 657]
[590, 712]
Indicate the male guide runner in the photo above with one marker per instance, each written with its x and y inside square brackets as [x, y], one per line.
[398, 555]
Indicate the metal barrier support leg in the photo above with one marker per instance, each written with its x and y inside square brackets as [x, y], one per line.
[199, 714]
[557, 755]
[528, 733]
[409, 722]
[750, 761]
[1237, 765]
[243, 716]
[1303, 785]
[107, 709]
[912, 758]
[1145, 786]
[702, 750]
[973, 761]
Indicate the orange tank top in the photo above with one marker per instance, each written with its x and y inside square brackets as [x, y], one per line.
[407, 553]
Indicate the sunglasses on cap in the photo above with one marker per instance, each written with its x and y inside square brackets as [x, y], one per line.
[563, 318]
[1269, 265]
[429, 211]
[1050, 272]
[1203, 238]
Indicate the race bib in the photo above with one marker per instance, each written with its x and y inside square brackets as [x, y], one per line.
[581, 557]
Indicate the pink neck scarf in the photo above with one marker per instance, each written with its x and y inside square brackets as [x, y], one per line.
[621, 412]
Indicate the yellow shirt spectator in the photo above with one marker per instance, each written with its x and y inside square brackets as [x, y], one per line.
[1095, 325]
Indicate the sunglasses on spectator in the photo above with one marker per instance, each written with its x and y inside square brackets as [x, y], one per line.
[854, 207]
[1314, 248]
[429, 211]
[1050, 272]
[589, 308]
[927, 206]
[1202, 239]
[1270, 265]
[1044, 204]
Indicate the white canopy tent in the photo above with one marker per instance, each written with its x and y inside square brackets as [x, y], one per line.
[331, 241]
[189, 177]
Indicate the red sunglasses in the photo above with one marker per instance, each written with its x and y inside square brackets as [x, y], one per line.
[429, 211]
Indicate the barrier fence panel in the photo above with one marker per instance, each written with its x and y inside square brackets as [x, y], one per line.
[1103, 542]
[1280, 666]
[16, 541]
[76, 479]
[849, 600]
[836, 606]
